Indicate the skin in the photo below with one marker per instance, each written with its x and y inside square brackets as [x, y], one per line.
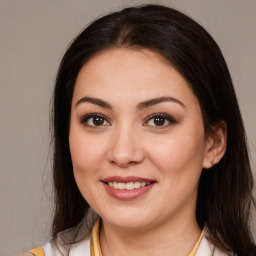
[128, 141]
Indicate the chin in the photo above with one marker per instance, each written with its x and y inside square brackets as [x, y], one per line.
[128, 224]
[128, 221]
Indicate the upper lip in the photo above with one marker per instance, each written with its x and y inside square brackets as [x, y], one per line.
[127, 179]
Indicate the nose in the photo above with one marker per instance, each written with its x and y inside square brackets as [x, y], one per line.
[126, 147]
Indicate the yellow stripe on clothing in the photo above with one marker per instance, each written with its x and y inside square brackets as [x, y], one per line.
[95, 239]
[193, 252]
[39, 251]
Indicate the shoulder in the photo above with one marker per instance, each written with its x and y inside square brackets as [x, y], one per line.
[207, 248]
[39, 251]
[52, 248]
[81, 248]
[74, 241]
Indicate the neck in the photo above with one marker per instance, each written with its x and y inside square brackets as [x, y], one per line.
[168, 238]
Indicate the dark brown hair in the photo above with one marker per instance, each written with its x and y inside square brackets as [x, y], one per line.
[225, 191]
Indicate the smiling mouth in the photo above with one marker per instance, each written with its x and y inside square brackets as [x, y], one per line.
[128, 185]
[127, 188]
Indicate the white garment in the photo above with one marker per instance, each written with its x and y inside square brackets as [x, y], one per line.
[78, 249]
[207, 249]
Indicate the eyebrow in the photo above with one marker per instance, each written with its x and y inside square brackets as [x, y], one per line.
[140, 106]
[94, 101]
[155, 101]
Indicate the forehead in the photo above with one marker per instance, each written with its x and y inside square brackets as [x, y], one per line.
[127, 73]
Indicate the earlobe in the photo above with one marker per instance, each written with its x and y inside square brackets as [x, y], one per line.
[215, 145]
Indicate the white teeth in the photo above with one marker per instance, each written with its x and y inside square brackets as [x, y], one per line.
[128, 186]
[143, 184]
[136, 184]
[121, 185]
[115, 185]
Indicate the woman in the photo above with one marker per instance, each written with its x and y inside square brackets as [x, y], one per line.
[149, 144]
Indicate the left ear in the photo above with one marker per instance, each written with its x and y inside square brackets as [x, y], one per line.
[215, 145]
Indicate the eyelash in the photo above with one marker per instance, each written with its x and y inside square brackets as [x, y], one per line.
[84, 120]
[164, 116]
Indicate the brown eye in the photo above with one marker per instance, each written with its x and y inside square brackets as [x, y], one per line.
[97, 121]
[159, 121]
[94, 120]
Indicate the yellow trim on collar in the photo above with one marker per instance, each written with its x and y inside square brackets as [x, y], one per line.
[193, 252]
[95, 240]
[39, 251]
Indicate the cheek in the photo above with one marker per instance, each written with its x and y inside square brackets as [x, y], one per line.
[181, 155]
[87, 156]
[86, 153]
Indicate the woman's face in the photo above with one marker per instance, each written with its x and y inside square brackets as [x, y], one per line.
[137, 139]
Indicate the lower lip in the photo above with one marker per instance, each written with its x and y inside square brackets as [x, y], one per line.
[127, 194]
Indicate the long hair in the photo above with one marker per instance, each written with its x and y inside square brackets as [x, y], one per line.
[225, 191]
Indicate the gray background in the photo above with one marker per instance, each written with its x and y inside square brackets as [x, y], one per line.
[33, 37]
